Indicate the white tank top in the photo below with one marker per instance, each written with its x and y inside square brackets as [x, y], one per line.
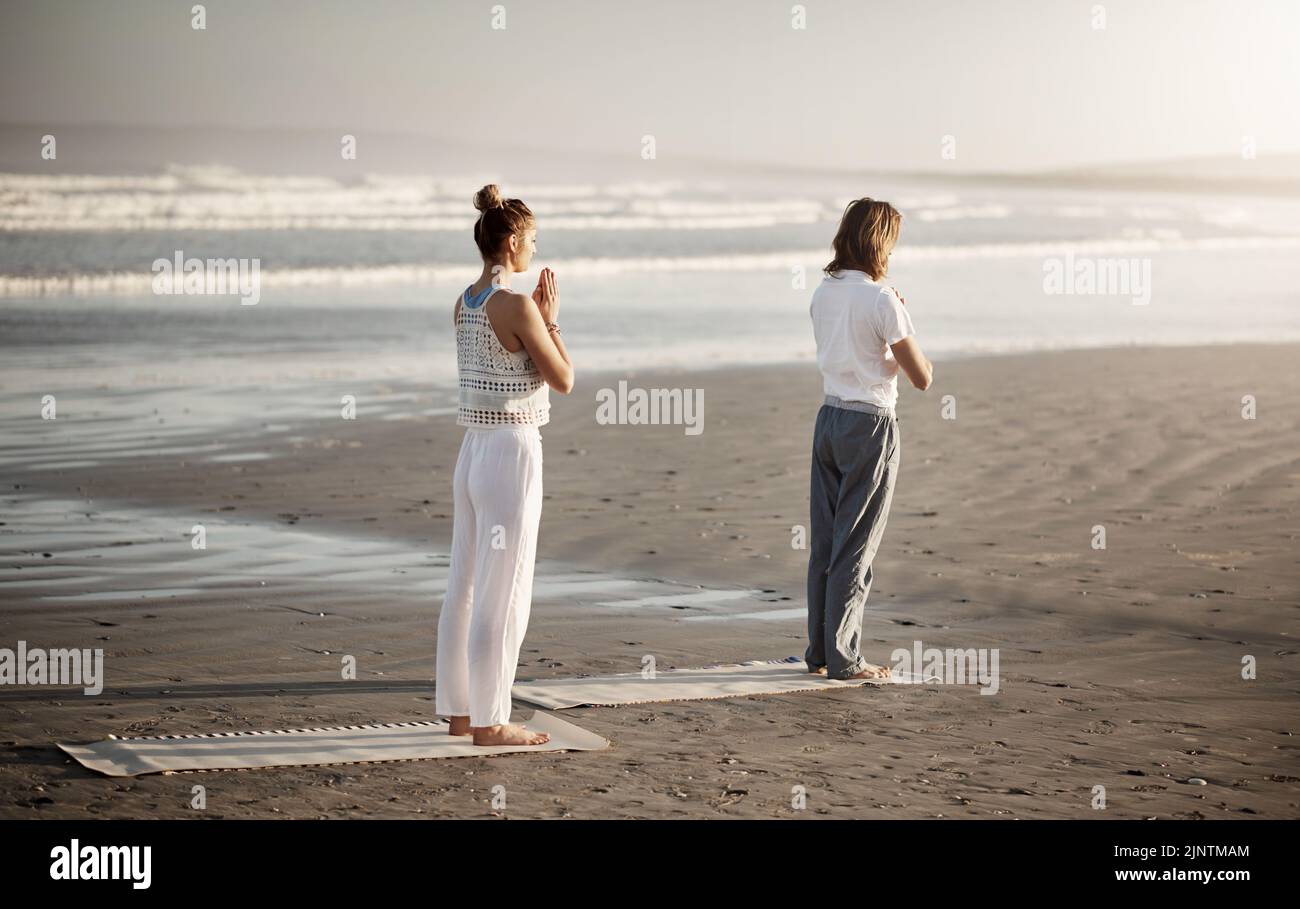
[498, 387]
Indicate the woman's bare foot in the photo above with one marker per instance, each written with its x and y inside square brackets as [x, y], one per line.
[459, 726]
[870, 672]
[508, 734]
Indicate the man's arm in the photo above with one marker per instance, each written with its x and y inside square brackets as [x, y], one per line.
[919, 370]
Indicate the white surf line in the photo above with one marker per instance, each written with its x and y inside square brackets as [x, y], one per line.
[117, 596]
[141, 283]
[123, 425]
[386, 222]
[148, 552]
[699, 598]
[553, 588]
[766, 615]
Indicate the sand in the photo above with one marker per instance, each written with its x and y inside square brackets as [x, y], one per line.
[1120, 668]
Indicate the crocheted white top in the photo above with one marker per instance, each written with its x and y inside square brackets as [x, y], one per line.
[498, 387]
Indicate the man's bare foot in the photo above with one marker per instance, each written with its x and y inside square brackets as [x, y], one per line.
[508, 734]
[870, 672]
[818, 671]
[459, 726]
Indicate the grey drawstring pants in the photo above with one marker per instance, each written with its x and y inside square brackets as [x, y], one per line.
[854, 465]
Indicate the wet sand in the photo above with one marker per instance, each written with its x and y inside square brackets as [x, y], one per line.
[1119, 667]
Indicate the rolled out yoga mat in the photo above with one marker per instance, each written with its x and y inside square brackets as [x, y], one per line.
[711, 682]
[418, 741]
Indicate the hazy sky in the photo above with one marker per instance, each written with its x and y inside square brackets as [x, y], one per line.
[1018, 83]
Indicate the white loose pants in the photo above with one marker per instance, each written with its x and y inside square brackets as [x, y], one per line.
[497, 491]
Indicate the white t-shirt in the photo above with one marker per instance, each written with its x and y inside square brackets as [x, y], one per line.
[855, 319]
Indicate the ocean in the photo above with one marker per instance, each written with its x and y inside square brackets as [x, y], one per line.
[357, 279]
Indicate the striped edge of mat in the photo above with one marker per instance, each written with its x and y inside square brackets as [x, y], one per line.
[527, 691]
[114, 756]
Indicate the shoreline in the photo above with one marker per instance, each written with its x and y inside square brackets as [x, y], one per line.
[409, 381]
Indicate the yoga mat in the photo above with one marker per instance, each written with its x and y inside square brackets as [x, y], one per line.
[711, 682]
[419, 741]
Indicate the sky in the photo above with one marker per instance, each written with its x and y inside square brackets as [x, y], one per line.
[1018, 84]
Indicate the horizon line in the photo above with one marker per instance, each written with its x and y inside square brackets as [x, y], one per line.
[1081, 169]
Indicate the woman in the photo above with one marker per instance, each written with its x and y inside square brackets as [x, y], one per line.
[864, 337]
[508, 353]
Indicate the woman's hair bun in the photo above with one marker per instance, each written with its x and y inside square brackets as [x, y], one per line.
[511, 218]
[488, 197]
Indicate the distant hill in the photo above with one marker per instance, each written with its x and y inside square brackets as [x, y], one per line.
[1264, 167]
[114, 149]
[1275, 174]
[117, 149]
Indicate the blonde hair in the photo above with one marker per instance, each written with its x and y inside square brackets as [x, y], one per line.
[500, 219]
[868, 231]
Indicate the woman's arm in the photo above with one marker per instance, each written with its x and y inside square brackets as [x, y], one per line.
[525, 318]
[546, 348]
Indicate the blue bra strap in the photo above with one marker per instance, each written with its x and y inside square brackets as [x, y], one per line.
[477, 300]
